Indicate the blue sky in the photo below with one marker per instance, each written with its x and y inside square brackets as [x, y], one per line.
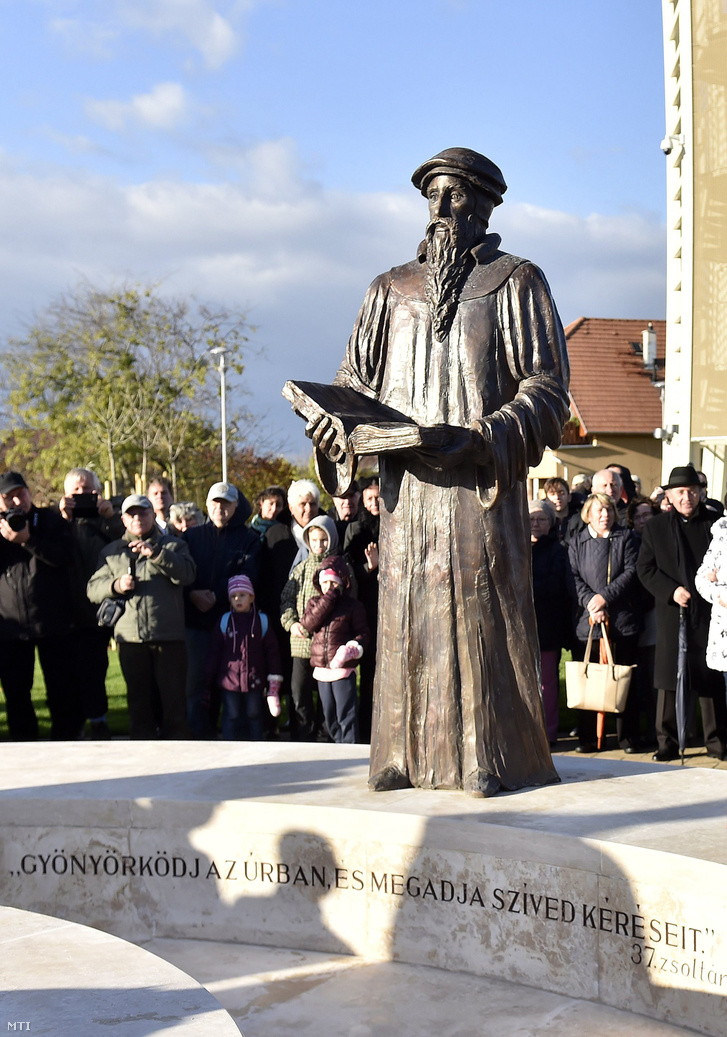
[258, 153]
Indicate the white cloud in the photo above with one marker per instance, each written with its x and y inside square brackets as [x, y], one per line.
[76, 144]
[90, 39]
[298, 257]
[598, 265]
[97, 29]
[165, 107]
[196, 21]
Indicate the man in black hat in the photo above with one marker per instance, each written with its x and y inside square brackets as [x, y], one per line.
[674, 543]
[346, 510]
[37, 607]
[467, 342]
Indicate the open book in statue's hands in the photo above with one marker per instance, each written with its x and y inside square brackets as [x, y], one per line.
[361, 425]
[346, 425]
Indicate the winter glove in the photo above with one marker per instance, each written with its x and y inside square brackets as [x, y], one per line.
[346, 654]
[273, 697]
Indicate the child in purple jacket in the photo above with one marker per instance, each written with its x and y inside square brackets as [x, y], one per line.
[243, 658]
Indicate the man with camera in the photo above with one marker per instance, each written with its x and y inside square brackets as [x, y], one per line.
[146, 570]
[36, 611]
[93, 524]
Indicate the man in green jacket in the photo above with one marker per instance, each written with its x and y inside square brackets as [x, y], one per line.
[148, 569]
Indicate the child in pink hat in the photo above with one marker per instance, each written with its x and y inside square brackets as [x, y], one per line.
[243, 659]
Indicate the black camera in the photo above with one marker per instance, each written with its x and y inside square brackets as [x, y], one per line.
[16, 518]
[84, 505]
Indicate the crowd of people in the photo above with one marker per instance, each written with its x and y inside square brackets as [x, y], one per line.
[218, 620]
[610, 562]
[263, 617]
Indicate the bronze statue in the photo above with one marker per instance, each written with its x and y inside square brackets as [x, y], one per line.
[465, 344]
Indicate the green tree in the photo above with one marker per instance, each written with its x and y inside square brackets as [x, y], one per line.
[119, 381]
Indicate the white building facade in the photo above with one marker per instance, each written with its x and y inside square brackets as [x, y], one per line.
[695, 145]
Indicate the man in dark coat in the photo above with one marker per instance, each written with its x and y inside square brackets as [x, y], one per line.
[37, 610]
[93, 526]
[673, 545]
[223, 547]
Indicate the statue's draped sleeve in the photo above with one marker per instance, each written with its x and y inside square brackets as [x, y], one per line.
[514, 437]
[363, 365]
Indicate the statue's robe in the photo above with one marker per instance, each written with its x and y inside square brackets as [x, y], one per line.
[457, 686]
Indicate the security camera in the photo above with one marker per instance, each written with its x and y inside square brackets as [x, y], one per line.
[672, 141]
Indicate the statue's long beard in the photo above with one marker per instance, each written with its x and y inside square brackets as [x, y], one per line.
[448, 264]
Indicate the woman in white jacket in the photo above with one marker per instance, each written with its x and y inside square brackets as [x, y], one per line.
[711, 582]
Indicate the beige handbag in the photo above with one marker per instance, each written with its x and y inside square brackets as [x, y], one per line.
[603, 687]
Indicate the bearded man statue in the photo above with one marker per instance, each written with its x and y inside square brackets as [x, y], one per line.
[467, 339]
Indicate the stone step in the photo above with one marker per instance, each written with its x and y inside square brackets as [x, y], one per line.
[274, 992]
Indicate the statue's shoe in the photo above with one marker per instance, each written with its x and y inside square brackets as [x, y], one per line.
[481, 784]
[388, 779]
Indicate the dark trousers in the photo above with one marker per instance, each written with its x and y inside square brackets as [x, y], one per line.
[93, 656]
[242, 715]
[625, 651]
[340, 708]
[644, 675]
[57, 657]
[155, 673]
[303, 686]
[198, 714]
[708, 686]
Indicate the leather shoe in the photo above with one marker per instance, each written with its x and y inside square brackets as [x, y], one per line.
[586, 747]
[631, 748]
[665, 755]
[722, 755]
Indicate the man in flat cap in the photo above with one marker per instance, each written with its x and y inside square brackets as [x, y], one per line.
[465, 338]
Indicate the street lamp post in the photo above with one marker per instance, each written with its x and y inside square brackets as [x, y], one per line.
[220, 351]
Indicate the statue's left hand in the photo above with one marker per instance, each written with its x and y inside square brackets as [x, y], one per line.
[447, 446]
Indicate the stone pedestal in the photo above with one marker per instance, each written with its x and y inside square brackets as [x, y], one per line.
[608, 887]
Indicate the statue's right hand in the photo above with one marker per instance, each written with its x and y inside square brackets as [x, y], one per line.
[322, 432]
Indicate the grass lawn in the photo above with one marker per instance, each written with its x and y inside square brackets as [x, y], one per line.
[115, 688]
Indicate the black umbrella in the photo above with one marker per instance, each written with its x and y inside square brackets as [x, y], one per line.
[683, 703]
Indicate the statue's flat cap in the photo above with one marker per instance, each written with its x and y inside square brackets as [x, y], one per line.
[469, 165]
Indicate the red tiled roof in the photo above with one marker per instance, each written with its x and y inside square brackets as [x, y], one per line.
[611, 391]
